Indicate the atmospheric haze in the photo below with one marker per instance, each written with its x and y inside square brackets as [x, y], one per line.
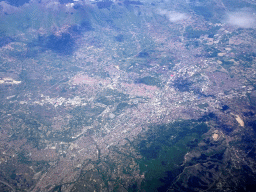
[172, 15]
[244, 18]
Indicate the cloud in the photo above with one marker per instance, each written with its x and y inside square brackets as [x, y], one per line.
[172, 15]
[243, 19]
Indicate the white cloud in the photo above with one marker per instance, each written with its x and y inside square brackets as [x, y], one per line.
[243, 19]
[172, 15]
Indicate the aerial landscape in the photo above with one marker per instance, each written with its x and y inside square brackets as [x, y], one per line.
[126, 95]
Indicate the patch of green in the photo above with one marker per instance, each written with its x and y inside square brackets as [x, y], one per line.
[211, 32]
[205, 11]
[252, 97]
[193, 43]
[104, 100]
[203, 105]
[163, 149]
[227, 64]
[168, 61]
[18, 51]
[191, 33]
[27, 127]
[247, 59]
[23, 157]
[212, 52]
[133, 188]
[225, 38]
[148, 80]
[82, 114]
[121, 106]
[110, 97]
[74, 69]
[117, 96]
[137, 65]
[182, 84]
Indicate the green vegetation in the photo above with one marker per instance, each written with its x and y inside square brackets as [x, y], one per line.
[247, 59]
[205, 11]
[212, 52]
[211, 32]
[120, 107]
[193, 43]
[192, 33]
[148, 80]
[203, 105]
[167, 61]
[227, 64]
[104, 100]
[163, 149]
